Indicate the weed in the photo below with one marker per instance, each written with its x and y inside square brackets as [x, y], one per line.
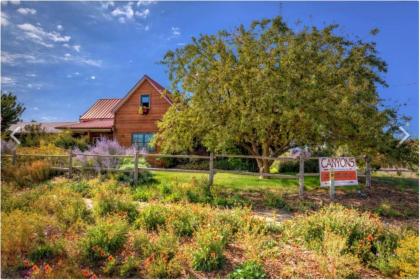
[208, 255]
[152, 216]
[248, 270]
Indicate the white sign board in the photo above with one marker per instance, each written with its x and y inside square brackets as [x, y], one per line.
[344, 169]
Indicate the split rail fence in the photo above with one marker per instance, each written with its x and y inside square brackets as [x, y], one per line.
[66, 163]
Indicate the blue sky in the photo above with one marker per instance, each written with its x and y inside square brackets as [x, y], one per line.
[58, 58]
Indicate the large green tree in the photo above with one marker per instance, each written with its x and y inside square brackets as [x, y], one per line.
[268, 88]
[11, 110]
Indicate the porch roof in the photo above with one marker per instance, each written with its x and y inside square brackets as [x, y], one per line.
[91, 124]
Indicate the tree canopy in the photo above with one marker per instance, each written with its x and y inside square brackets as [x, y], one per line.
[11, 110]
[268, 88]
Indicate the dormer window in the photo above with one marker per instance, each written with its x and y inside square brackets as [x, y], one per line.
[144, 104]
[145, 101]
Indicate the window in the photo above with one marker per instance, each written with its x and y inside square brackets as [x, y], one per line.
[145, 101]
[142, 140]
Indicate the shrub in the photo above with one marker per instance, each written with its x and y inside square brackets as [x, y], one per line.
[7, 147]
[66, 205]
[208, 255]
[29, 173]
[46, 252]
[66, 141]
[183, 221]
[21, 233]
[385, 209]
[142, 244]
[152, 216]
[107, 202]
[144, 194]
[248, 270]
[364, 233]
[13, 198]
[406, 259]
[104, 239]
[129, 267]
[275, 201]
[81, 187]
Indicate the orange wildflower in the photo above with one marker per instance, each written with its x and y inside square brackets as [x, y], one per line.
[110, 258]
[35, 269]
[26, 263]
[86, 273]
[370, 237]
[93, 276]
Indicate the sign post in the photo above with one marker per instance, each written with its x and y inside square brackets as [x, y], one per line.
[337, 171]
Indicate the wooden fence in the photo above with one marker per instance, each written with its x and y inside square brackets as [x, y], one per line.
[67, 165]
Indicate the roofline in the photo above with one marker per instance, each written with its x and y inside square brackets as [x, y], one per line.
[97, 100]
[135, 87]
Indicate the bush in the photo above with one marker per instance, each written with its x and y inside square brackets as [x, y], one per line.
[81, 187]
[46, 252]
[13, 199]
[275, 201]
[29, 173]
[406, 259]
[364, 233]
[129, 267]
[66, 205]
[104, 239]
[107, 202]
[183, 221]
[7, 147]
[208, 255]
[311, 166]
[66, 141]
[248, 270]
[145, 194]
[21, 233]
[151, 217]
[385, 209]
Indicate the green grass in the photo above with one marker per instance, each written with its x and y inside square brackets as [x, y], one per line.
[238, 182]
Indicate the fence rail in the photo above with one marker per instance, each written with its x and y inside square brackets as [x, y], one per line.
[69, 166]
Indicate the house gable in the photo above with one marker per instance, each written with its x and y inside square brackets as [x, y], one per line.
[128, 120]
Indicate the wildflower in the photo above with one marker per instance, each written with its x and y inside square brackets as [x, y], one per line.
[93, 276]
[26, 263]
[35, 269]
[370, 237]
[86, 273]
[213, 254]
[47, 268]
[110, 258]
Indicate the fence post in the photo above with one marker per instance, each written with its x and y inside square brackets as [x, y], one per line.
[301, 176]
[368, 172]
[332, 184]
[14, 158]
[136, 167]
[70, 163]
[211, 169]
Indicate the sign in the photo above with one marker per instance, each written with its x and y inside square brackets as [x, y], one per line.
[344, 169]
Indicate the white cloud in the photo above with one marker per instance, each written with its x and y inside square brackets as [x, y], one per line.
[38, 35]
[77, 48]
[29, 85]
[31, 75]
[92, 77]
[143, 14]
[145, 2]
[60, 27]
[67, 55]
[4, 20]
[35, 108]
[107, 4]
[147, 28]
[8, 80]
[26, 11]
[48, 118]
[124, 12]
[175, 31]
[17, 58]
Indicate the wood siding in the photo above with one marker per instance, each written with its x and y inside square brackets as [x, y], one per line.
[128, 120]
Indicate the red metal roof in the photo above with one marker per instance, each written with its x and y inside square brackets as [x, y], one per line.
[102, 109]
[104, 123]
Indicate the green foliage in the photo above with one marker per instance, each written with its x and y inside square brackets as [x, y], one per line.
[67, 141]
[248, 270]
[267, 88]
[16, 228]
[81, 187]
[129, 268]
[275, 201]
[208, 255]
[46, 252]
[385, 209]
[108, 201]
[11, 110]
[151, 217]
[104, 239]
[66, 205]
[33, 135]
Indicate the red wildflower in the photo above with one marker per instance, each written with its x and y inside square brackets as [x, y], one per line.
[93, 276]
[110, 258]
[35, 269]
[86, 273]
[370, 237]
[47, 268]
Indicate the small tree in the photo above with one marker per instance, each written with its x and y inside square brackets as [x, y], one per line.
[268, 89]
[11, 110]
